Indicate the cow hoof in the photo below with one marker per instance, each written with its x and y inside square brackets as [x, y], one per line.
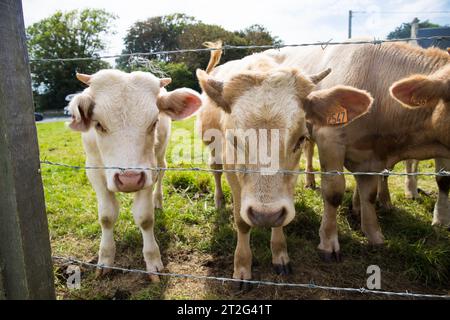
[329, 257]
[154, 278]
[100, 273]
[158, 202]
[311, 186]
[220, 203]
[158, 206]
[242, 287]
[283, 269]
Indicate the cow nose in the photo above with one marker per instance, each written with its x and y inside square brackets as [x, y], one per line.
[267, 218]
[130, 181]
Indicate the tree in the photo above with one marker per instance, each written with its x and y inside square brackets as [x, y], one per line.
[258, 35]
[65, 35]
[179, 72]
[155, 34]
[180, 31]
[404, 31]
[195, 35]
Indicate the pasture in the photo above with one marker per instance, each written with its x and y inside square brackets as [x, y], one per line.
[195, 238]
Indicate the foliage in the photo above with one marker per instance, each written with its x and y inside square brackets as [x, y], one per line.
[404, 31]
[155, 34]
[65, 34]
[180, 31]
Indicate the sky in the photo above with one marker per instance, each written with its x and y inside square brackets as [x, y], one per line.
[294, 21]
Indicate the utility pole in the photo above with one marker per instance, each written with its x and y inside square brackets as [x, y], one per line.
[414, 30]
[350, 17]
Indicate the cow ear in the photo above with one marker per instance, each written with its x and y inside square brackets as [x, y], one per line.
[81, 108]
[85, 78]
[164, 82]
[179, 104]
[419, 91]
[336, 106]
[213, 89]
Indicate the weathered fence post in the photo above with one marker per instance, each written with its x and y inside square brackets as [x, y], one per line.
[25, 259]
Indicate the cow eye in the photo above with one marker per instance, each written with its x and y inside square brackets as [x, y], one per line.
[99, 127]
[299, 143]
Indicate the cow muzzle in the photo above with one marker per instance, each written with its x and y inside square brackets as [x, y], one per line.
[129, 181]
[272, 218]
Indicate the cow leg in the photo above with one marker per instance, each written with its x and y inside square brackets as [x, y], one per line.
[243, 252]
[333, 188]
[144, 217]
[411, 191]
[280, 257]
[367, 187]
[219, 198]
[108, 211]
[384, 196]
[356, 204]
[309, 154]
[441, 215]
[158, 195]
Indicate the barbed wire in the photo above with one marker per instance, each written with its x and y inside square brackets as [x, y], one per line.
[232, 47]
[384, 173]
[310, 285]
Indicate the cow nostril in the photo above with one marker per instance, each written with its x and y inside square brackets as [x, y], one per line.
[281, 216]
[141, 179]
[117, 180]
[251, 215]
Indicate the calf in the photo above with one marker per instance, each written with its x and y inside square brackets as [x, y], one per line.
[255, 93]
[126, 120]
[387, 134]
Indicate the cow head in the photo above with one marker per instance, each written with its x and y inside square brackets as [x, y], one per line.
[122, 111]
[284, 100]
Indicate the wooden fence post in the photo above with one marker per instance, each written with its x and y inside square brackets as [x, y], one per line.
[25, 258]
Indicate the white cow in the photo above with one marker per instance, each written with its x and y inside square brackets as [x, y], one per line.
[126, 120]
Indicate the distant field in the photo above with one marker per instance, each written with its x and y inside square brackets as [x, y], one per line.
[195, 238]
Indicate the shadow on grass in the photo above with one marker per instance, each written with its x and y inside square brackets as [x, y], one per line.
[413, 247]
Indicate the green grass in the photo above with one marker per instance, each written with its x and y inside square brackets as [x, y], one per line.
[195, 238]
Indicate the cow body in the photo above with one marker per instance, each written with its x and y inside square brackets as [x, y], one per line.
[387, 134]
[125, 121]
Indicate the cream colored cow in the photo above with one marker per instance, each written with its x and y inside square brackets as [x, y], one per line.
[258, 94]
[126, 119]
[389, 133]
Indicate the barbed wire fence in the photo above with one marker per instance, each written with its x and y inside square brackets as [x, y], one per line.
[141, 58]
[225, 47]
[384, 173]
[310, 285]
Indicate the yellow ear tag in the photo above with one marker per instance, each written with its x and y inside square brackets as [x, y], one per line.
[339, 117]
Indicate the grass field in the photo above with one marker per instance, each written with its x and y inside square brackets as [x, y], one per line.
[195, 238]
